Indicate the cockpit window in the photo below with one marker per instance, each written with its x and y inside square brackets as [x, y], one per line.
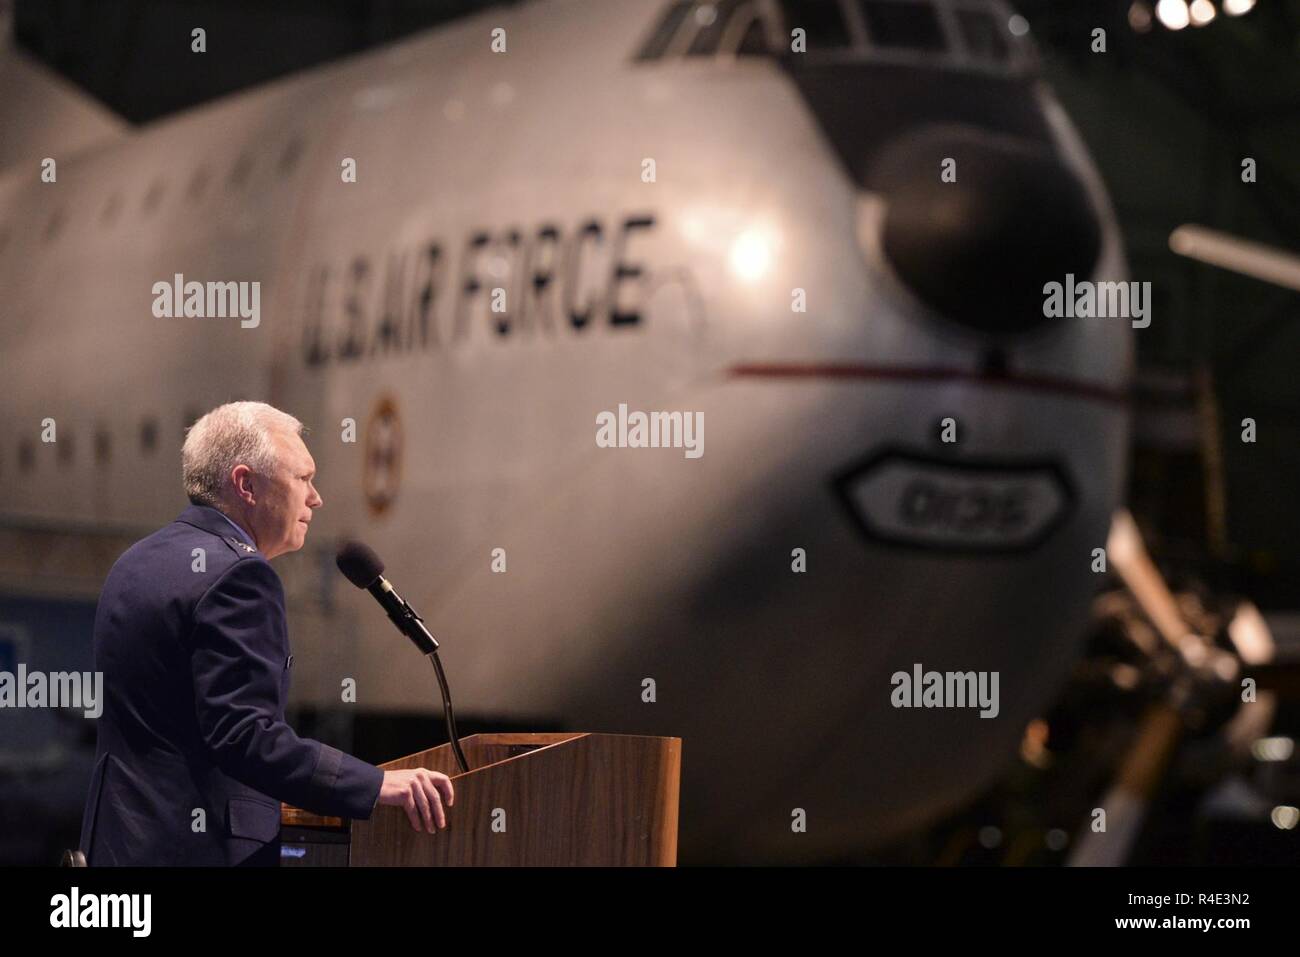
[899, 23]
[753, 42]
[956, 34]
[658, 40]
[712, 20]
[746, 33]
[822, 21]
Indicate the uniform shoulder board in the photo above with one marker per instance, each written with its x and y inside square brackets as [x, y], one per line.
[241, 545]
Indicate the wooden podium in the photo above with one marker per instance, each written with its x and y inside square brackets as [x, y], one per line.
[533, 799]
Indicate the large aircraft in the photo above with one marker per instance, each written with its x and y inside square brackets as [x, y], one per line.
[820, 230]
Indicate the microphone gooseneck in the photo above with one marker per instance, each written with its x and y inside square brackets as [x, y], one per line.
[363, 568]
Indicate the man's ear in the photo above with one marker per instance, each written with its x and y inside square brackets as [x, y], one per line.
[241, 476]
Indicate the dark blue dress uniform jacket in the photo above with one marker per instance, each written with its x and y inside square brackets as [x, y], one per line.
[196, 675]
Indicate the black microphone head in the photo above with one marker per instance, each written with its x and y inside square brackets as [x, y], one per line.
[359, 564]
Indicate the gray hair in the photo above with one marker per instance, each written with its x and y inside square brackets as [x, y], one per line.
[237, 433]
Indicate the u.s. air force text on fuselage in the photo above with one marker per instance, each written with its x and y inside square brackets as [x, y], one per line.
[541, 280]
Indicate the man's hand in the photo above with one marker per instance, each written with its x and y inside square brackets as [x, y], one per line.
[421, 793]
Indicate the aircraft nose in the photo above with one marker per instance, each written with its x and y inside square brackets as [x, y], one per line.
[979, 243]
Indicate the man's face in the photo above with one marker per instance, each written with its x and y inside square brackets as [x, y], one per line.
[285, 499]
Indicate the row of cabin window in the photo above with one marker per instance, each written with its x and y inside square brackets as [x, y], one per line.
[65, 447]
[239, 175]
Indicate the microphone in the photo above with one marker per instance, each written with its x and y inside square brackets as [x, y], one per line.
[361, 566]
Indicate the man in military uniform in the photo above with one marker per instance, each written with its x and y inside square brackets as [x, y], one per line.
[194, 755]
